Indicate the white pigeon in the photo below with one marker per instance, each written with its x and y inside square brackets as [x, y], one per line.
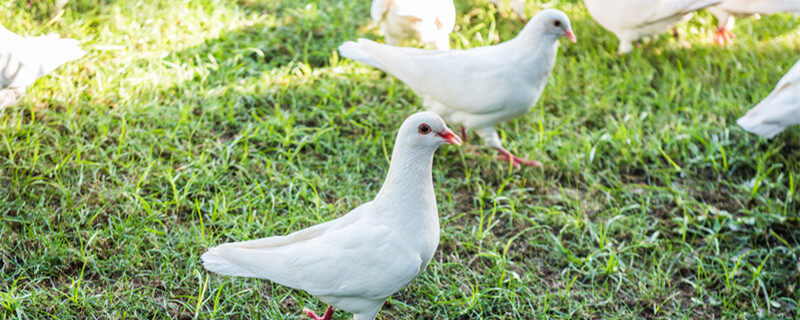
[480, 87]
[726, 11]
[429, 21]
[517, 5]
[25, 59]
[631, 20]
[355, 262]
[779, 110]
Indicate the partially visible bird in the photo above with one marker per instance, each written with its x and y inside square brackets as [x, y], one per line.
[517, 5]
[480, 87]
[355, 262]
[429, 21]
[25, 59]
[631, 20]
[779, 110]
[728, 9]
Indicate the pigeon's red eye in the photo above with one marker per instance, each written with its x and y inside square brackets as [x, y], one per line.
[424, 129]
[557, 23]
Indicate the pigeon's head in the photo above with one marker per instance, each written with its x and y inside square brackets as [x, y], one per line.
[554, 22]
[426, 129]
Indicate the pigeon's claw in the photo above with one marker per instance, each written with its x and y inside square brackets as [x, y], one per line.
[463, 133]
[327, 316]
[516, 161]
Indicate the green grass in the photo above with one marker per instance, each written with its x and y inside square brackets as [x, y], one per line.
[192, 123]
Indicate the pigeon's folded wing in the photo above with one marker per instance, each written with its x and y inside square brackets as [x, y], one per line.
[473, 81]
[365, 262]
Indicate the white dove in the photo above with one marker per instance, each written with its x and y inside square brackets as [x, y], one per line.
[779, 110]
[517, 5]
[726, 11]
[429, 21]
[631, 20]
[25, 59]
[355, 262]
[480, 87]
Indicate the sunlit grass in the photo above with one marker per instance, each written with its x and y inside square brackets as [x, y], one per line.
[192, 123]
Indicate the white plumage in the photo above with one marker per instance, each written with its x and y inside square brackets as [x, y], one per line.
[777, 111]
[631, 20]
[728, 9]
[358, 260]
[25, 59]
[480, 87]
[429, 21]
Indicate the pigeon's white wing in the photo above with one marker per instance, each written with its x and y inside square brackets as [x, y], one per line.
[25, 59]
[475, 81]
[761, 6]
[366, 261]
[779, 110]
[379, 9]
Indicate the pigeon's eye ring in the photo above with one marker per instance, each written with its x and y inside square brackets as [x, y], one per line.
[557, 23]
[424, 128]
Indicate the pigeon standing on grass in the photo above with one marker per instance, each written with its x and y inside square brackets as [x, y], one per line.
[726, 11]
[429, 21]
[355, 262]
[777, 111]
[25, 59]
[631, 20]
[480, 87]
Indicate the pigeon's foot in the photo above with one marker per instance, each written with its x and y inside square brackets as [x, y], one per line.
[327, 316]
[723, 37]
[463, 134]
[516, 161]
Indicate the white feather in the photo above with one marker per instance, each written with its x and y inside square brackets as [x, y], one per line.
[777, 111]
[631, 20]
[25, 59]
[429, 21]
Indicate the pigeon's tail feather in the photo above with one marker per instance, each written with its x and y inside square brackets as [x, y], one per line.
[354, 51]
[766, 130]
[56, 51]
[214, 261]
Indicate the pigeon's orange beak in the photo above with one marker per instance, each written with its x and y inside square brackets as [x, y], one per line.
[570, 36]
[449, 136]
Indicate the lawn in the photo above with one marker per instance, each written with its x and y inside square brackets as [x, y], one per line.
[193, 123]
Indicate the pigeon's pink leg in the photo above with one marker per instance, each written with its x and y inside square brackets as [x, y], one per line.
[327, 316]
[723, 36]
[516, 161]
[463, 134]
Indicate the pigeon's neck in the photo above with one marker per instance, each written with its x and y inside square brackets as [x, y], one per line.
[409, 180]
[533, 38]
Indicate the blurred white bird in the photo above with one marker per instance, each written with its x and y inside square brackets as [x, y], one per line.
[726, 11]
[355, 262]
[517, 5]
[429, 21]
[779, 110]
[631, 20]
[480, 87]
[25, 59]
